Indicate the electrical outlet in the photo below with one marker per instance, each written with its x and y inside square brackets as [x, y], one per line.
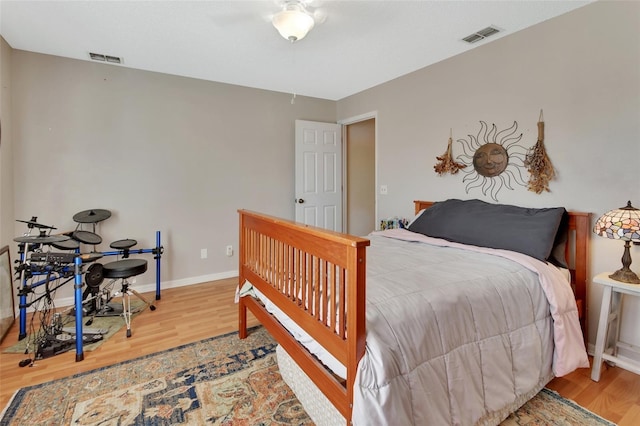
[203, 253]
[229, 250]
[384, 190]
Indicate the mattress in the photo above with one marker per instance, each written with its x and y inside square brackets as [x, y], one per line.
[319, 408]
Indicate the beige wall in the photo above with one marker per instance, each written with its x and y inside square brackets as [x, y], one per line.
[160, 152]
[361, 173]
[6, 166]
[582, 69]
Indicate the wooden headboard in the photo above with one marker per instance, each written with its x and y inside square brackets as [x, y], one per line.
[577, 254]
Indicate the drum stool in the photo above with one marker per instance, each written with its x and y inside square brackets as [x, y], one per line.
[125, 269]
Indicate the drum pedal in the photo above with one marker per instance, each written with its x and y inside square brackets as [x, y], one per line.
[109, 310]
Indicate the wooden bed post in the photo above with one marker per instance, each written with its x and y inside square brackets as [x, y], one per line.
[580, 223]
[357, 300]
[242, 308]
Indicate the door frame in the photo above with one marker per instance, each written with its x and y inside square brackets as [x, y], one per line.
[344, 123]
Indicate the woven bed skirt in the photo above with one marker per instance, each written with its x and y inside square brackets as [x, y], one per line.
[319, 408]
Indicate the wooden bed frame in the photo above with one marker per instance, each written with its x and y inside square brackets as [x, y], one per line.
[284, 259]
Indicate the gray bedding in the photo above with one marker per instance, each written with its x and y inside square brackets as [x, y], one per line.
[453, 336]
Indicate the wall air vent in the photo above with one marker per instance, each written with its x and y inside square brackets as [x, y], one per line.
[481, 35]
[105, 58]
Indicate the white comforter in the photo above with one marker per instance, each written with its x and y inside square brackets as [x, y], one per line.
[455, 336]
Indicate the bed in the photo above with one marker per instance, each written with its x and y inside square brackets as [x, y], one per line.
[317, 279]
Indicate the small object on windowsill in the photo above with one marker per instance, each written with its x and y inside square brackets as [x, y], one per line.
[393, 223]
[445, 161]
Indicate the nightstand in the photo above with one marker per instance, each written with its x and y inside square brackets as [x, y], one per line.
[607, 340]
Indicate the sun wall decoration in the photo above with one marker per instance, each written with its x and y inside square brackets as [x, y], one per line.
[497, 159]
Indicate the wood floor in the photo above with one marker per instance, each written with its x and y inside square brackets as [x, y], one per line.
[189, 314]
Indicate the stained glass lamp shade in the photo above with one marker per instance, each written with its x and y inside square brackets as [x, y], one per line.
[621, 224]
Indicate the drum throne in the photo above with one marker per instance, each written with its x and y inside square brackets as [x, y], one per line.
[124, 270]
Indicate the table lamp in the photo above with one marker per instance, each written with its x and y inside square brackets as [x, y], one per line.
[621, 224]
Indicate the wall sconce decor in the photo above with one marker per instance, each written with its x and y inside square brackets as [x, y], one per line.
[621, 224]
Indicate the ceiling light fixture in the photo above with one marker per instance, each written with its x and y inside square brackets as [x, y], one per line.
[293, 22]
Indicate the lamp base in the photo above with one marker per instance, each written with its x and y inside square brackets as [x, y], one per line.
[625, 276]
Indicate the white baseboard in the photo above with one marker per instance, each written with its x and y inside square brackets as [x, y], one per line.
[151, 287]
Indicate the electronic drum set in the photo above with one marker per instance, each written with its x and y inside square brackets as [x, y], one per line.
[39, 265]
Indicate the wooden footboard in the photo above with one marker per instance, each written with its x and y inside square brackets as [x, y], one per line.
[317, 278]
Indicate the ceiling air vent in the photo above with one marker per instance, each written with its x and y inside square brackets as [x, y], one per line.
[481, 35]
[105, 58]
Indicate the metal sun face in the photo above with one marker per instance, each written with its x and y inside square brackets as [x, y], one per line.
[497, 159]
[490, 159]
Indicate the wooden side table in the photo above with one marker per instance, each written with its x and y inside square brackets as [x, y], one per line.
[607, 340]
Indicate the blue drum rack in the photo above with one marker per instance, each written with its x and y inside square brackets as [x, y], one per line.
[67, 273]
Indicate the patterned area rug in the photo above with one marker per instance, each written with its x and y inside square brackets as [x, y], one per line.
[111, 324]
[217, 381]
[549, 408]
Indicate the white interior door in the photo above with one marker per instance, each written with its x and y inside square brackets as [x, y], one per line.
[318, 177]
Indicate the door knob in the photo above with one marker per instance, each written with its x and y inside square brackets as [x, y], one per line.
[299, 201]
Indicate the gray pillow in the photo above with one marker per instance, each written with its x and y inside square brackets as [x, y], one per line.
[525, 230]
[558, 256]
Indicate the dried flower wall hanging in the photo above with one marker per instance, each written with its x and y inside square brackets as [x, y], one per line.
[446, 164]
[539, 164]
